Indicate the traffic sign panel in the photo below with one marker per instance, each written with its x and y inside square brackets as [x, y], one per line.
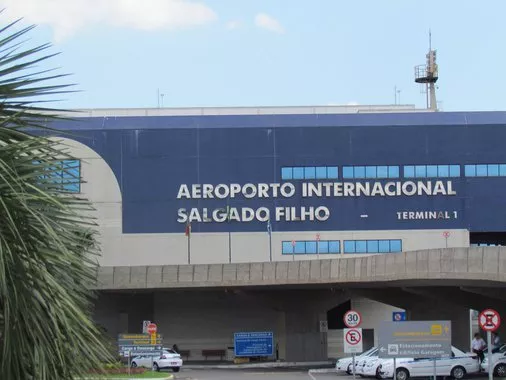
[352, 318]
[489, 320]
[398, 316]
[151, 329]
[415, 339]
[353, 341]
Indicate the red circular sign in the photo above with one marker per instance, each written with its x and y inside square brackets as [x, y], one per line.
[151, 329]
[353, 337]
[489, 320]
[352, 318]
[318, 237]
[293, 243]
[446, 234]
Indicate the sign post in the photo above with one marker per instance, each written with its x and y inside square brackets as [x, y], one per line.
[446, 235]
[353, 343]
[352, 335]
[151, 329]
[489, 321]
[293, 250]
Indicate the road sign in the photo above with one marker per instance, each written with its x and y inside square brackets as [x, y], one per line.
[489, 320]
[151, 329]
[446, 234]
[324, 326]
[353, 343]
[352, 318]
[145, 326]
[398, 316]
[293, 243]
[139, 344]
[420, 339]
[251, 344]
[317, 237]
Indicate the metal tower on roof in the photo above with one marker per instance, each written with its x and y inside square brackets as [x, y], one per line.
[428, 74]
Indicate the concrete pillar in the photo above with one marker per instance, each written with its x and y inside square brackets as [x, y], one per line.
[458, 315]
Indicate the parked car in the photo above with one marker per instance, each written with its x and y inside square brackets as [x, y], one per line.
[458, 365]
[365, 365]
[169, 359]
[498, 362]
[346, 364]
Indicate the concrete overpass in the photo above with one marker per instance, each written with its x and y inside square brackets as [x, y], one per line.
[430, 284]
[480, 266]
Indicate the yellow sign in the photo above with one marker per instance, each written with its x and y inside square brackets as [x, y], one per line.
[436, 330]
[137, 336]
[153, 338]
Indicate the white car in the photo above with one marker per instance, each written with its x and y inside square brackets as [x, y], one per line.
[169, 359]
[456, 366]
[498, 362]
[346, 364]
[365, 366]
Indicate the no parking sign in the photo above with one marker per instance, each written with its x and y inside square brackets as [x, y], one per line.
[353, 343]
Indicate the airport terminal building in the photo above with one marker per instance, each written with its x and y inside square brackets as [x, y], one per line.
[224, 192]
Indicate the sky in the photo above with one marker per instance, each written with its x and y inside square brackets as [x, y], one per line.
[123, 53]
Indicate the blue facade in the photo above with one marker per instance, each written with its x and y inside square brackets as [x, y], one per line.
[152, 156]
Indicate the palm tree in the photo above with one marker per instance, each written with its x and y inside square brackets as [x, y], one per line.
[47, 245]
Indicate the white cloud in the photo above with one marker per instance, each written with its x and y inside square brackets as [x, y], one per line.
[264, 21]
[66, 17]
[234, 24]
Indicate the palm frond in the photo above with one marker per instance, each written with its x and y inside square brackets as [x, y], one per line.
[47, 236]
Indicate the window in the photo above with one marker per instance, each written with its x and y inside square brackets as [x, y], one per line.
[347, 171]
[395, 246]
[382, 171]
[323, 246]
[309, 172]
[321, 172]
[310, 247]
[332, 172]
[334, 247]
[362, 172]
[287, 248]
[286, 173]
[485, 170]
[454, 170]
[420, 171]
[393, 172]
[298, 173]
[431, 171]
[372, 246]
[66, 176]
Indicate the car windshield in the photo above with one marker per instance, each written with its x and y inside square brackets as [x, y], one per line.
[370, 351]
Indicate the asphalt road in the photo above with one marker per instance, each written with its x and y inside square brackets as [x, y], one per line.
[264, 374]
[267, 374]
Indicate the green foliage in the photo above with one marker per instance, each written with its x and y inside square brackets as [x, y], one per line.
[47, 239]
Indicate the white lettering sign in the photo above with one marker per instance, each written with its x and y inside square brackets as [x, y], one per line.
[307, 190]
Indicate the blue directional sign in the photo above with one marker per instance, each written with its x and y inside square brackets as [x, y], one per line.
[398, 316]
[250, 344]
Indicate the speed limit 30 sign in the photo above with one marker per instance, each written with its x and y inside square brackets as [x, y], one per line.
[352, 318]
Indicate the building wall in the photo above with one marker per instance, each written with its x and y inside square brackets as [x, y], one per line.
[119, 249]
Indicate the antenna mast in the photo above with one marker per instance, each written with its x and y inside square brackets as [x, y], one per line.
[428, 74]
